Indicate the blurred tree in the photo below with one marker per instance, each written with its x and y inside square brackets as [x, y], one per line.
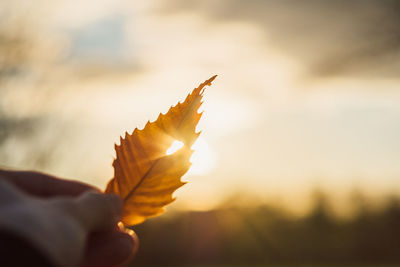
[21, 72]
[269, 236]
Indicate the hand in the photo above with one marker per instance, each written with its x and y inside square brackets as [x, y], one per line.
[72, 223]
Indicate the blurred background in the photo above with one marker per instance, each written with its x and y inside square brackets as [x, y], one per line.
[299, 159]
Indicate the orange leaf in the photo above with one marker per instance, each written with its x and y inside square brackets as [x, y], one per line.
[144, 176]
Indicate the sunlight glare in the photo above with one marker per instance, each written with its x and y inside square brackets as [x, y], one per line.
[203, 159]
[176, 145]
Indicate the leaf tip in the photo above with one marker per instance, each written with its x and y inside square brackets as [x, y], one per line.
[206, 83]
[209, 81]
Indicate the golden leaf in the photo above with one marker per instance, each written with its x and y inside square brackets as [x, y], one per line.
[144, 176]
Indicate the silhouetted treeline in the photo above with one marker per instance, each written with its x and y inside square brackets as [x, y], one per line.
[262, 235]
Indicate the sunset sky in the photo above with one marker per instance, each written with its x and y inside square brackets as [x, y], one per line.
[307, 94]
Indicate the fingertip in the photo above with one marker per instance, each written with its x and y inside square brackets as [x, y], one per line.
[100, 211]
[116, 203]
[115, 198]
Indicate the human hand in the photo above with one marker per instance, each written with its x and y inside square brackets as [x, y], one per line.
[72, 223]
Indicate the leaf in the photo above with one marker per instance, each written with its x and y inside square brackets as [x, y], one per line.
[144, 176]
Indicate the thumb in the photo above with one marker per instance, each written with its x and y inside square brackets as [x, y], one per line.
[97, 211]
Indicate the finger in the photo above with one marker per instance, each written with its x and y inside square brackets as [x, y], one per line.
[97, 211]
[110, 248]
[43, 185]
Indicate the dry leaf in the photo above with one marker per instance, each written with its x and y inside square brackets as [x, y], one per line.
[144, 176]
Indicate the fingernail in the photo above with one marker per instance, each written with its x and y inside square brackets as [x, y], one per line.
[135, 239]
[130, 232]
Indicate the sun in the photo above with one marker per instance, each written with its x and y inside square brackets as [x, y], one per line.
[203, 159]
[176, 145]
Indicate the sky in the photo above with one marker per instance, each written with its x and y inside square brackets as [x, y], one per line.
[306, 95]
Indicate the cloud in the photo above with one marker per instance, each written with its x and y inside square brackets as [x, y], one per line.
[342, 37]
